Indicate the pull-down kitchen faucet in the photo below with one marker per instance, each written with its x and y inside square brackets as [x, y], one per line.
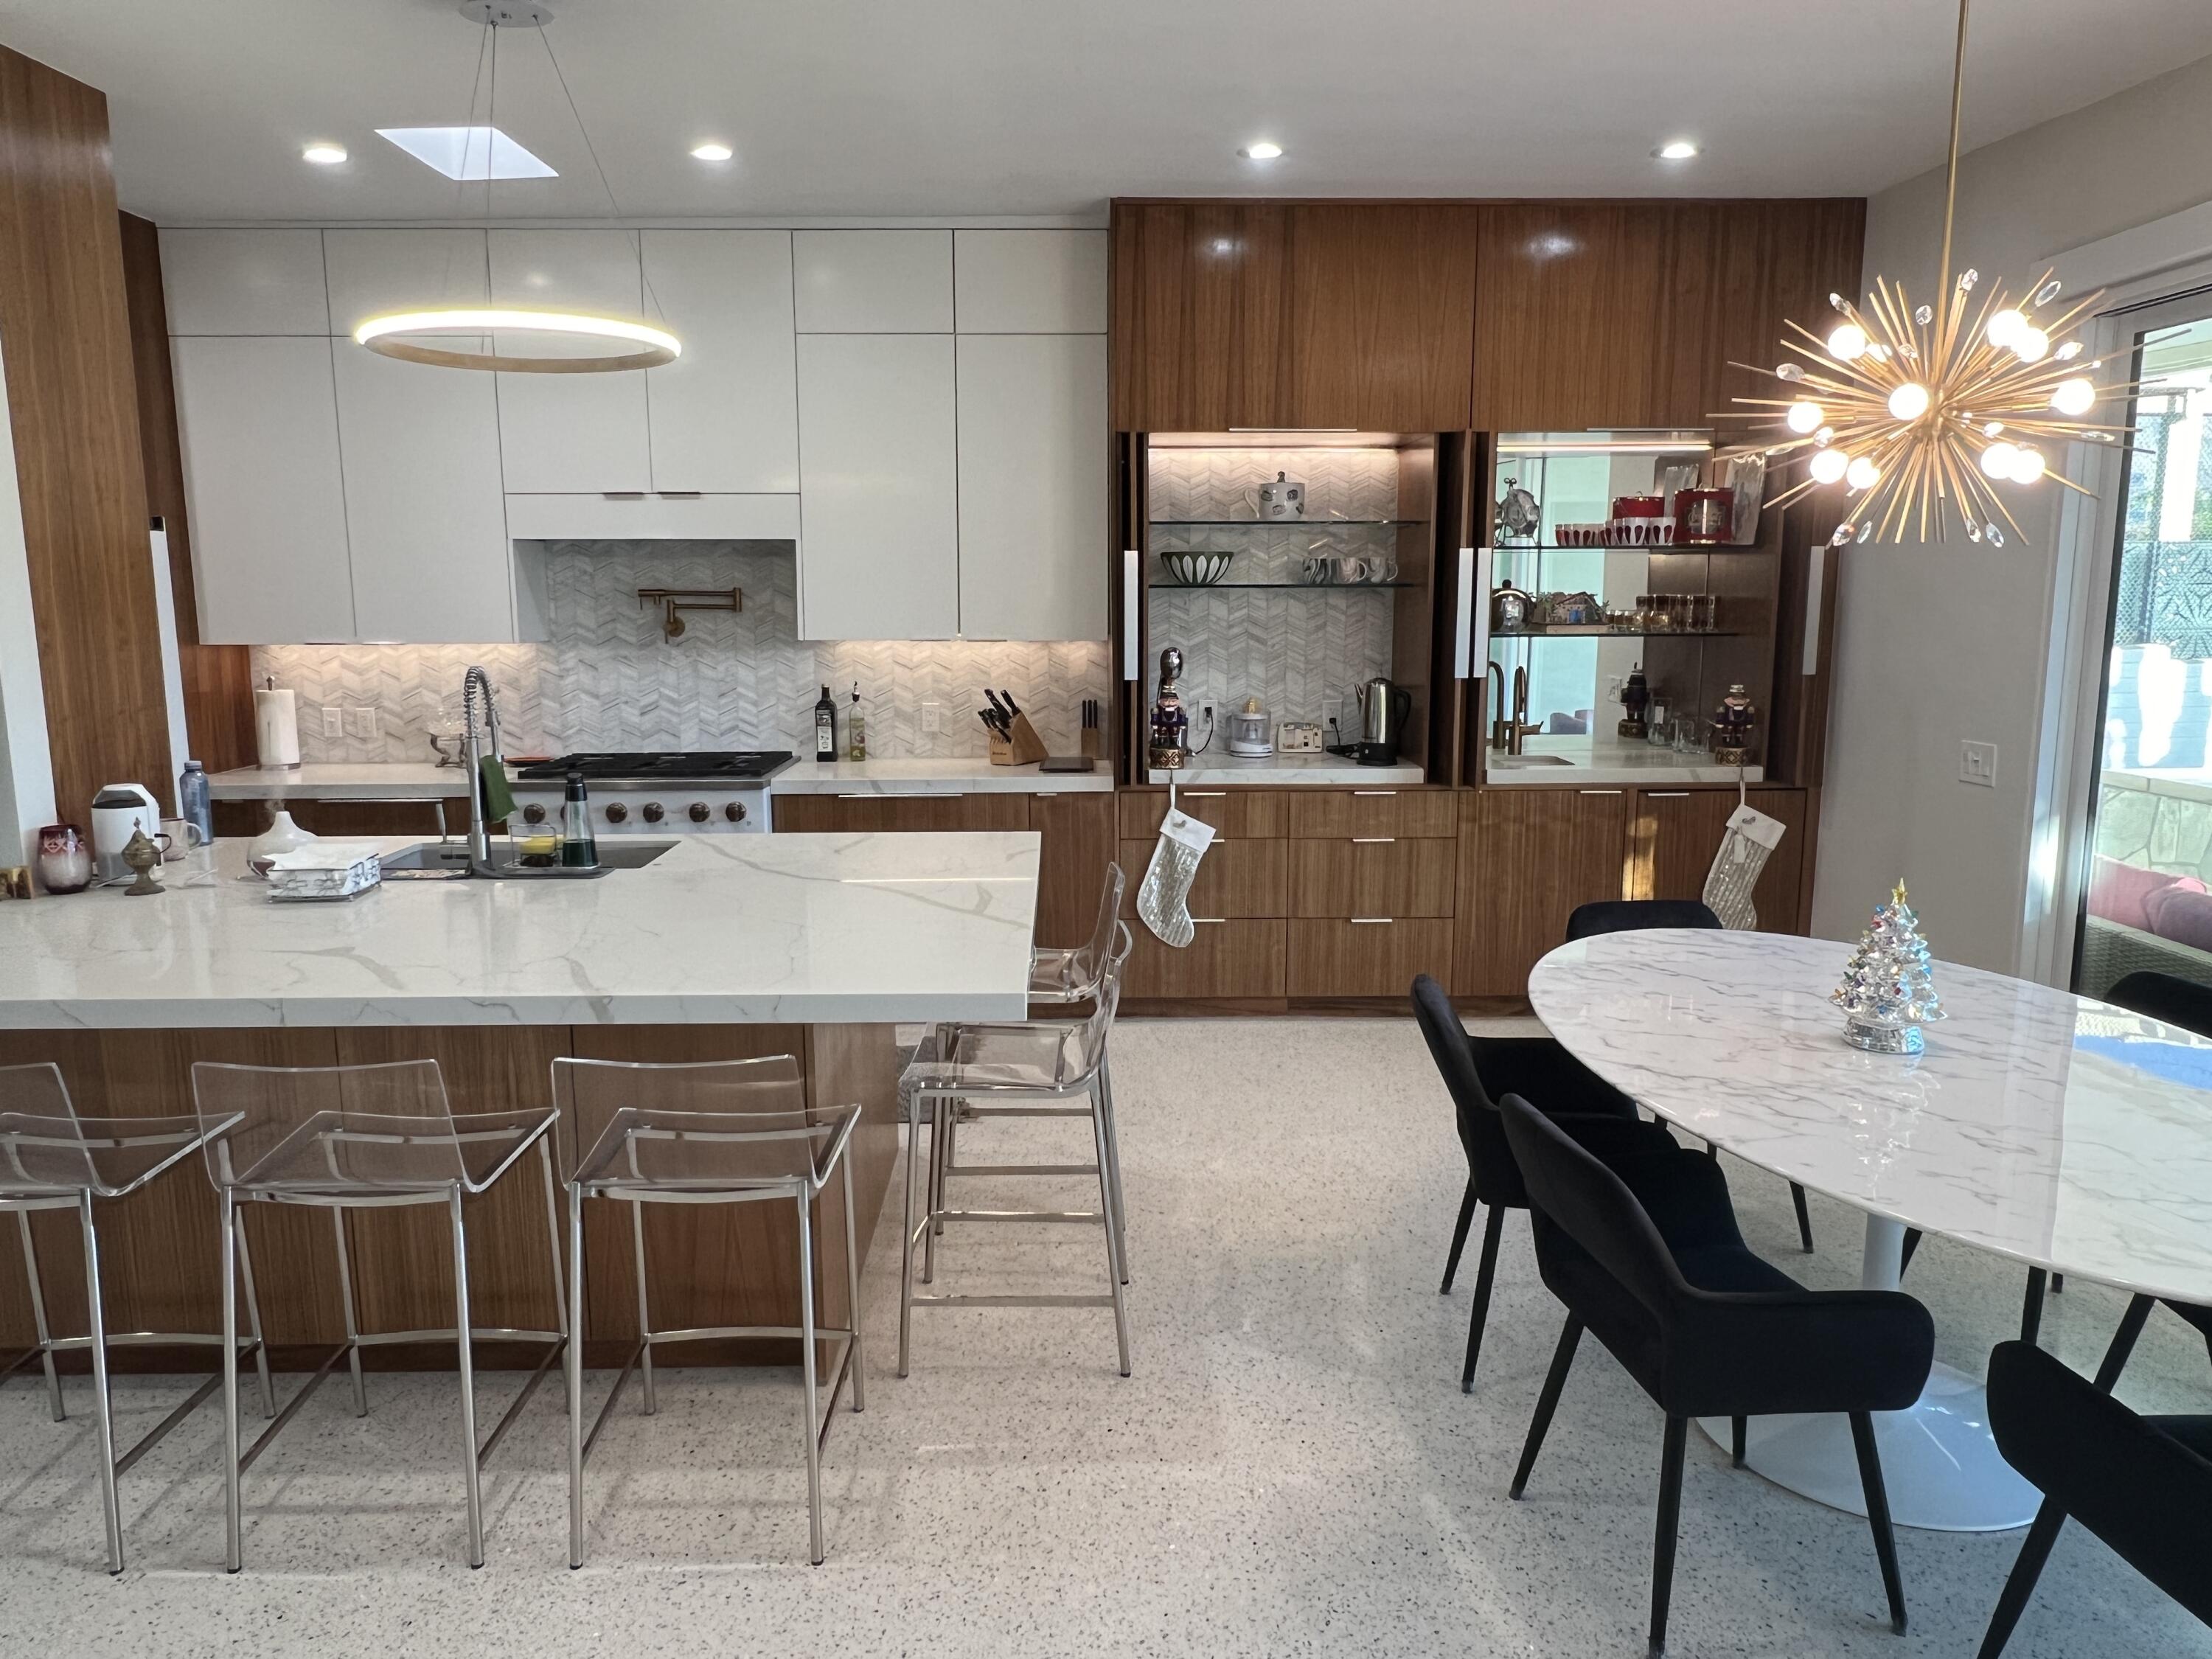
[472, 758]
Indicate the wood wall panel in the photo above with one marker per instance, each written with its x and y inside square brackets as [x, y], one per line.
[218, 679]
[1079, 842]
[72, 401]
[1382, 294]
[1201, 306]
[1675, 833]
[1528, 857]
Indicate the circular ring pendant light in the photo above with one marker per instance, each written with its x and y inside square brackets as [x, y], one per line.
[470, 333]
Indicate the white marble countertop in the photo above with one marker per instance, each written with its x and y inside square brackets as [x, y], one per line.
[933, 777]
[2061, 1132]
[363, 780]
[1307, 770]
[1607, 760]
[721, 929]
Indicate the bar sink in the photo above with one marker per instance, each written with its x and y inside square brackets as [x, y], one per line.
[449, 860]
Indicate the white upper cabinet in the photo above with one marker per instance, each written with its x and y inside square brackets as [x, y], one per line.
[570, 432]
[372, 272]
[1033, 475]
[725, 415]
[1030, 281]
[878, 558]
[244, 282]
[873, 281]
[424, 514]
[257, 418]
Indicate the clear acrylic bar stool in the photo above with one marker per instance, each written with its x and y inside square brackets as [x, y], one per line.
[716, 1132]
[53, 1159]
[1057, 1068]
[368, 1137]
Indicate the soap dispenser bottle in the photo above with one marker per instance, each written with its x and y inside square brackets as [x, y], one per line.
[825, 727]
[580, 850]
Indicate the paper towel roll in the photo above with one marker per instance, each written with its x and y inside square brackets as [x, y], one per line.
[277, 727]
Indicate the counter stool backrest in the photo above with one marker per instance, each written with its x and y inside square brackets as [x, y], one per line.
[711, 1124]
[1092, 957]
[1633, 916]
[330, 1127]
[42, 1145]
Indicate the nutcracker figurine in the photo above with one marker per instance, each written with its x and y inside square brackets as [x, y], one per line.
[1732, 728]
[1168, 746]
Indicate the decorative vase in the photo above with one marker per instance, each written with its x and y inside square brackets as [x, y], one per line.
[281, 836]
[64, 859]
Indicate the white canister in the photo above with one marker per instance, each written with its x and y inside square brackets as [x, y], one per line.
[277, 726]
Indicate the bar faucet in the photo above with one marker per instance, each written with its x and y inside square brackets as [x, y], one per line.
[1518, 727]
[472, 758]
[1496, 703]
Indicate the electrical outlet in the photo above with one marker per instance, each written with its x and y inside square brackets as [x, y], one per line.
[933, 717]
[1978, 763]
[361, 722]
[333, 722]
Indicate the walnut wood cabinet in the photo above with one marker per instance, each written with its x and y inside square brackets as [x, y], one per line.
[1677, 831]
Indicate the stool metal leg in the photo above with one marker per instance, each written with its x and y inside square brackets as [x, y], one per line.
[1114, 1162]
[38, 1318]
[806, 1365]
[906, 1233]
[574, 1370]
[1112, 1207]
[103, 1410]
[466, 1344]
[253, 1321]
[352, 1330]
[941, 1114]
[858, 1367]
[553, 1248]
[644, 1319]
[231, 1550]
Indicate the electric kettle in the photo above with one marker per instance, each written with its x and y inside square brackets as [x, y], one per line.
[1384, 709]
[118, 810]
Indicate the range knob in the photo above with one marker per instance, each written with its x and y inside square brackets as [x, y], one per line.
[533, 813]
[698, 811]
[653, 811]
[735, 812]
[616, 813]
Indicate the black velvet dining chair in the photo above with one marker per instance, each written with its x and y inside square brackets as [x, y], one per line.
[1646, 1256]
[1636, 915]
[1478, 1072]
[2142, 1485]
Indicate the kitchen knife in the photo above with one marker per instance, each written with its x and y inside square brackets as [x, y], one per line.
[997, 708]
[1012, 707]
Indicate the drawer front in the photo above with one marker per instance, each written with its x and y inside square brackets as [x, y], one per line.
[1228, 958]
[1328, 813]
[1378, 877]
[1236, 878]
[877, 814]
[1351, 959]
[1240, 814]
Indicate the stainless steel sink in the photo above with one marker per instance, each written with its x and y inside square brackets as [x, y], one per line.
[449, 860]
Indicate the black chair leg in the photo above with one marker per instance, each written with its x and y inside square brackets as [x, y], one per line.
[1737, 1428]
[2022, 1585]
[2058, 1284]
[1877, 1502]
[1486, 1275]
[2123, 1343]
[1563, 1358]
[1662, 1541]
[1459, 1236]
[1911, 1243]
[1804, 1220]
[2031, 1307]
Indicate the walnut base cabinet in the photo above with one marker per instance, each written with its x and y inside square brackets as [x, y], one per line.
[1677, 832]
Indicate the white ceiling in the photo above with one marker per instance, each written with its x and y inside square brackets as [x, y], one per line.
[899, 107]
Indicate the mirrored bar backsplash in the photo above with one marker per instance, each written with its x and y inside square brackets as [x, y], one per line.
[607, 678]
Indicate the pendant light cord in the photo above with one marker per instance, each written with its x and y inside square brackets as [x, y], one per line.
[614, 208]
[1951, 180]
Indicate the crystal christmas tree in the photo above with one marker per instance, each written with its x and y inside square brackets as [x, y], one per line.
[1889, 992]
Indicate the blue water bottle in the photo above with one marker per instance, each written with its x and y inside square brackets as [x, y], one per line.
[192, 802]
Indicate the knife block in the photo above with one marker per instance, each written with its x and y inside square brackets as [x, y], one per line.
[1024, 748]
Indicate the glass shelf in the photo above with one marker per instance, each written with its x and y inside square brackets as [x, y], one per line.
[1631, 547]
[1573, 632]
[1311, 588]
[1279, 524]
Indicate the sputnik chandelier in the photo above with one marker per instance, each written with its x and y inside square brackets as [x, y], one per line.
[1921, 413]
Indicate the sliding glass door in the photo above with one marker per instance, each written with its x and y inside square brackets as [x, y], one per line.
[2146, 893]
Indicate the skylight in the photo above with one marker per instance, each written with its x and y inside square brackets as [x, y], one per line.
[470, 153]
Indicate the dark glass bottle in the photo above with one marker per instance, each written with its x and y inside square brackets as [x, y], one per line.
[825, 727]
[579, 851]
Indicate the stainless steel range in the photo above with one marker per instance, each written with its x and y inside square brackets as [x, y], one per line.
[698, 793]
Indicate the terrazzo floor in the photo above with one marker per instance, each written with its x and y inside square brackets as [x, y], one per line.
[1291, 1470]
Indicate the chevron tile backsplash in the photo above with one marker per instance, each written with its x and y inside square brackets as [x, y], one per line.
[606, 679]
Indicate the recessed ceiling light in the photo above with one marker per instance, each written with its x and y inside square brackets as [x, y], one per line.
[711, 152]
[1676, 150]
[323, 156]
[470, 152]
[1262, 151]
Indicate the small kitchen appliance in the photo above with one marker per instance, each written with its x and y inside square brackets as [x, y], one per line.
[687, 793]
[1384, 709]
[1248, 731]
[118, 811]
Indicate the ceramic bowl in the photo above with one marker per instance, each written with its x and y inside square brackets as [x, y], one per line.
[1196, 570]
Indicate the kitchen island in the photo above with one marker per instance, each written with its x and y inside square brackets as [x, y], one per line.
[724, 947]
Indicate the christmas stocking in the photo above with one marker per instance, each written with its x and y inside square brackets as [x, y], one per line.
[1751, 836]
[1163, 897]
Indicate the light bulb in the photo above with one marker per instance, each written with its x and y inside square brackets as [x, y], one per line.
[1825, 436]
[1862, 474]
[1997, 459]
[1847, 343]
[1829, 464]
[711, 151]
[1805, 415]
[2004, 326]
[323, 156]
[2027, 465]
[1909, 402]
[1260, 150]
[2074, 396]
[2031, 345]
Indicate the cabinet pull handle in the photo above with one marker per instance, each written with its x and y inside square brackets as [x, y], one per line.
[679, 495]
[1374, 841]
[1600, 792]
[1374, 792]
[1208, 921]
[621, 495]
[1463, 620]
[1372, 921]
[1204, 794]
[1666, 794]
[894, 794]
[1132, 618]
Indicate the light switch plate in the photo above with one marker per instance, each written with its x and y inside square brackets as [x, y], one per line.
[333, 722]
[362, 721]
[1978, 763]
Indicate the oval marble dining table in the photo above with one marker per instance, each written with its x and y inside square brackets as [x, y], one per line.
[2054, 1130]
